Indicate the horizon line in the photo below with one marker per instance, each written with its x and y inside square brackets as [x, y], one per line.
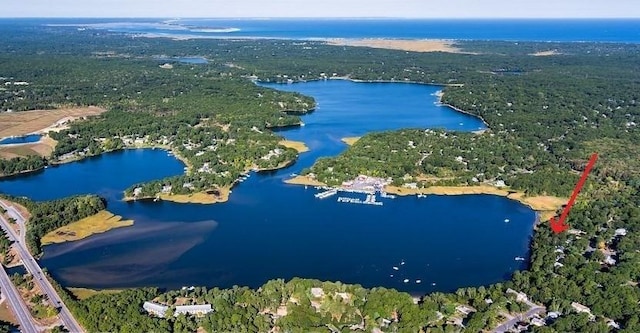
[319, 18]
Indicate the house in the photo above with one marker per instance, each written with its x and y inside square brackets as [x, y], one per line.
[582, 309]
[621, 232]
[465, 310]
[193, 309]
[520, 296]
[537, 321]
[317, 292]
[155, 309]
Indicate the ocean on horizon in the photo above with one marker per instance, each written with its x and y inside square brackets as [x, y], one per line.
[544, 30]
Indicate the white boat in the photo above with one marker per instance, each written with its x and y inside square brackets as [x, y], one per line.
[402, 262]
[418, 281]
[395, 268]
[506, 220]
[433, 283]
[520, 259]
[391, 275]
[406, 281]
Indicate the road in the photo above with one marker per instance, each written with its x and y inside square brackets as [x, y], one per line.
[27, 324]
[34, 269]
[507, 325]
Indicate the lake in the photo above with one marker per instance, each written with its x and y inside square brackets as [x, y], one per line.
[269, 229]
[31, 138]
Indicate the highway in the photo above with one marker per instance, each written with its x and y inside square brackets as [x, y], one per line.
[34, 269]
[27, 324]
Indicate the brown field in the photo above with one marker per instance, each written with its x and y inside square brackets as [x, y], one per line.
[297, 145]
[21, 123]
[95, 224]
[424, 45]
[6, 314]
[44, 148]
[198, 198]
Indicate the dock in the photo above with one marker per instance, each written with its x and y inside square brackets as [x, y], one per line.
[326, 194]
[370, 200]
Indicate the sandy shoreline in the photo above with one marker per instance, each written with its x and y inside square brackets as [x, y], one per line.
[350, 140]
[299, 146]
[413, 45]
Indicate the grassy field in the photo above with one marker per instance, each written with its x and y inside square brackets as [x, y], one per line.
[95, 224]
[21, 123]
[84, 293]
[297, 145]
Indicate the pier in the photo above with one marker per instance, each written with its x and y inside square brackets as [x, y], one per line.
[370, 200]
[326, 194]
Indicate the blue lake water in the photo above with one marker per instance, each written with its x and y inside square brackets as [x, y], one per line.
[186, 60]
[21, 139]
[269, 229]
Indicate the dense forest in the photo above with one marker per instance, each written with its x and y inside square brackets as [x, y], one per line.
[546, 115]
[47, 216]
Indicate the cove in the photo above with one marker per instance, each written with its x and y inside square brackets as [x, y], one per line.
[269, 229]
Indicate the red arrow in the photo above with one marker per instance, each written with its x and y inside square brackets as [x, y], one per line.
[558, 225]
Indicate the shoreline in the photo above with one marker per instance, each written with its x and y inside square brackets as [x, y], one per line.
[544, 206]
[400, 44]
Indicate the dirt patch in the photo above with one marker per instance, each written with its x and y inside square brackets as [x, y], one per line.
[6, 314]
[414, 45]
[22, 123]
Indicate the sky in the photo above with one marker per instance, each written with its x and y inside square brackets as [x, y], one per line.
[324, 8]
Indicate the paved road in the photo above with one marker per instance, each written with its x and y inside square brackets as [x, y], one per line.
[505, 326]
[38, 276]
[27, 324]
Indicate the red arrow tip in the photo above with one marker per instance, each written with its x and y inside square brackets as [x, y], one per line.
[557, 226]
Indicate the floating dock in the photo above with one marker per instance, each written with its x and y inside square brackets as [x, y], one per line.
[370, 200]
[326, 194]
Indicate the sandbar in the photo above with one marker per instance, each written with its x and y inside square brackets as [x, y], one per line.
[414, 45]
[304, 180]
[299, 146]
[351, 140]
[545, 53]
[101, 222]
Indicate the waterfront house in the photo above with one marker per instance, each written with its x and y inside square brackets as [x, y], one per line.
[582, 309]
[193, 309]
[155, 309]
[317, 292]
